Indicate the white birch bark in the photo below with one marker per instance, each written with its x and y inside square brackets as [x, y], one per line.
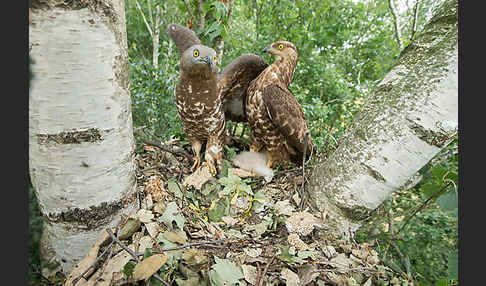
[411, 115]
[80, 90]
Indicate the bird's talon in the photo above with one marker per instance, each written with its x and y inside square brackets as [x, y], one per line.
[196, 164]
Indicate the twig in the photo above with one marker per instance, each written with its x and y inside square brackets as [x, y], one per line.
[152, 143]
[76, 280]
[423, 206]
[188, 245]
[188, 9]
[330, 129]
[396, 23]
[49, 282]
[259, 272]
[154, 167]
[301, 205]
[265, 270]
[415, 18]
[230, 12]
[144, 19]
[114, 238]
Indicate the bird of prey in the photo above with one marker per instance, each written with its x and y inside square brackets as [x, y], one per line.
[276, 119]
[206, 98]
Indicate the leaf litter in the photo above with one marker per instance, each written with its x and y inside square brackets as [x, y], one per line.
[231, 229]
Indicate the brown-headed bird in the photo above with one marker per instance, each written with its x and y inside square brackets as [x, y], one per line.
[203, 95]
[276, 119]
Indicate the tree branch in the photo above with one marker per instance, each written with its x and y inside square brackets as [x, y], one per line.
[437, 194]
[139, 8]
[415, 19]
[202, 20]
[116, 240]
[396, 23]
[230, 12]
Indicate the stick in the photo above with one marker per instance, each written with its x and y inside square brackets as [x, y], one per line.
[187, 245]
[422, 206]
[152, 143]
[301, 205]
[76, 280]
[115, 239]
[265, 270]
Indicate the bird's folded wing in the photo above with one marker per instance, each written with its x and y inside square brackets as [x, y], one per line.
[287, 115]
[234, 80]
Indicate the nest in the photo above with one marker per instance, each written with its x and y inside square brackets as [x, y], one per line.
[223, 230]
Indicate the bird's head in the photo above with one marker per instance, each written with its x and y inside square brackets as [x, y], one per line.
[282, 50]
[199, 59]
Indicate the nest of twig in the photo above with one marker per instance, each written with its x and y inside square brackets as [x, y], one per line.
[229, 231]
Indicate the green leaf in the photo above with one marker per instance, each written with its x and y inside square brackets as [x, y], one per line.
[147, 253]
[442, 282]
[448, 201]
[174, 187]
[218, 210]
[172, 213]
[285, 254]
[429, 189]
[453, 265]
[128, 268]
[438, 171]
[225, 272]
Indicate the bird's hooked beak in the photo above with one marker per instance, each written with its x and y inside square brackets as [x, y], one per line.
[269, 49]
[208, 61]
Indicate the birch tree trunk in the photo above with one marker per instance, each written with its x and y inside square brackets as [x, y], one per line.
[411, 115]
[81, 145]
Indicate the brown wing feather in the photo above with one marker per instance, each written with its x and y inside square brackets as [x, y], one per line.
[234, 81]
[182, 36]
[287, 116]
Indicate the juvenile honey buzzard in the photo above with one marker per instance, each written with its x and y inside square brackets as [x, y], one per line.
[276, 118]
[206, 98]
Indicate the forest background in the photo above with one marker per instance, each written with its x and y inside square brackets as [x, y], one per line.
[345, 49]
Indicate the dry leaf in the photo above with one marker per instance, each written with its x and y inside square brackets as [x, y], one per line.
[148, 267]
[294, 240]
[253, 252]
[115, 264]
[250, 273]
[229, 220]
[290, 277]
[89, 259]
[155, 187]
[284, 207]
[145, 216]
[307, 274]
[147, 202]
[130, 227]
[301, 223]
[175, 237]
[194, 256]
[199, 177]
[242, 173]
[296, 198]
[153, 229]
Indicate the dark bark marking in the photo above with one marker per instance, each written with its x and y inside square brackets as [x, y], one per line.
[72, 137]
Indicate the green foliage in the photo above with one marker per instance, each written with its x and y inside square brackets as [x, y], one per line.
[35, 232]
[430, 239]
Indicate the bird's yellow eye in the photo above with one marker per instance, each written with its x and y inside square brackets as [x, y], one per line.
[280, 46]
[196, 53]
[215, 59]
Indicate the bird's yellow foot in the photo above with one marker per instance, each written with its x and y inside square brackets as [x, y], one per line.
[197, 162]
[254, 148]
[212, 169]
[269, 163]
